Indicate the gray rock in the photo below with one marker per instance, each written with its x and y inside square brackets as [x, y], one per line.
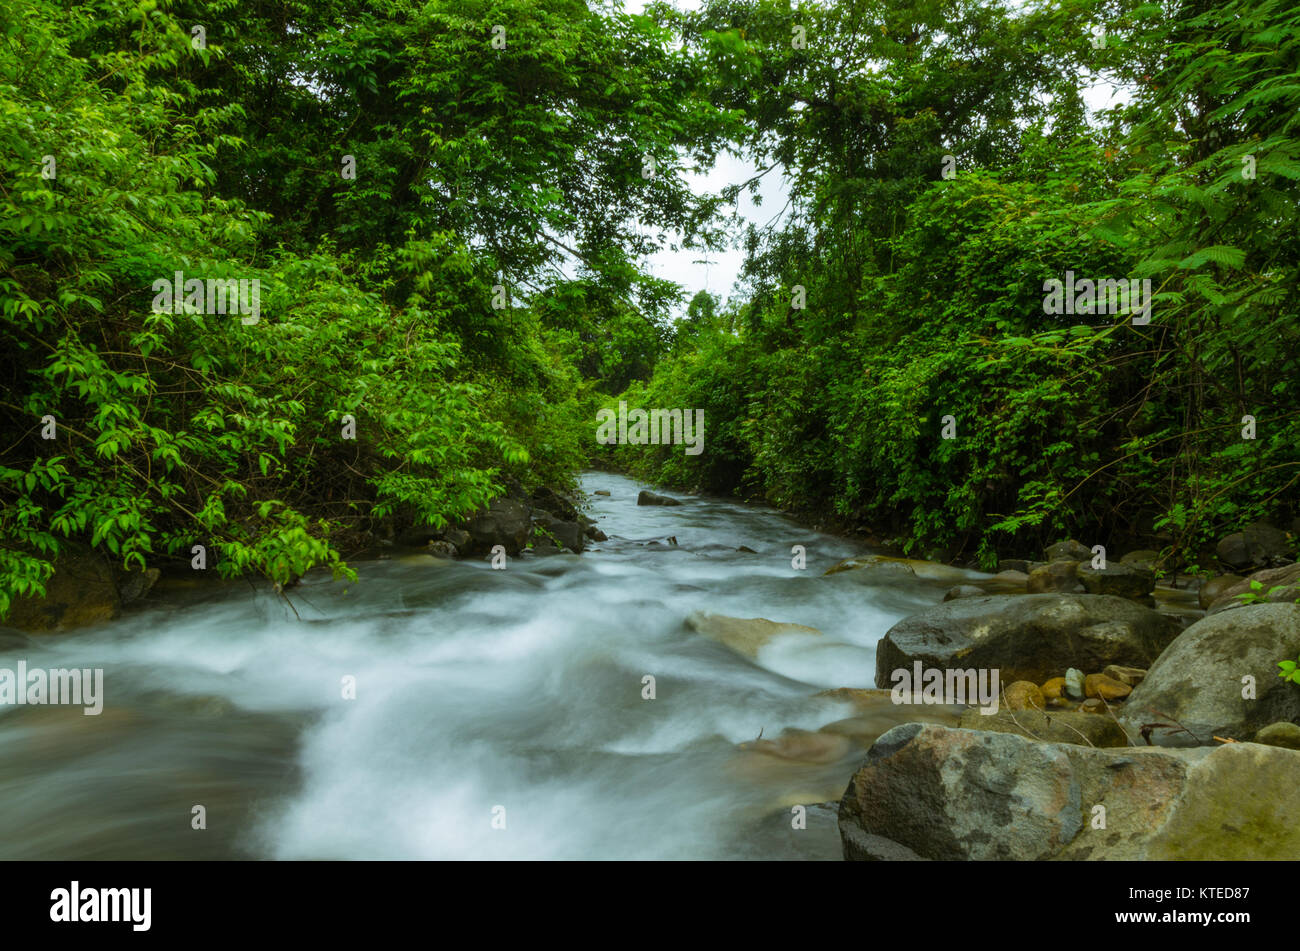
[1283, 733]
[1027, 637]
[460, 538]
[1052, 726]
[601, 492]
[558, 505]
[134, 585]
[1124, 581]
[963, 591]
[955, 794]
[1055, 576]
[595, 534]
[568, 534]
[442, 549]
[1069, 550]
[1143, 558]
[1215, 588]
[647, 497]
[506, 522]
[1197, 681]
[1277, 585]
[1259, 545]
[1013, 564]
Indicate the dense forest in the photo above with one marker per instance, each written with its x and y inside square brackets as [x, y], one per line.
[447, 208]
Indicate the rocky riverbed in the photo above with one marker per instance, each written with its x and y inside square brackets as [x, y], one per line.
[628, 674]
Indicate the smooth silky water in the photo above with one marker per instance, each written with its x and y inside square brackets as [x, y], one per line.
[475, 689]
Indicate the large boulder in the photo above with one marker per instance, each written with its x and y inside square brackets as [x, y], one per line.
[744, 635]
[932, 792]
[1069, 550]
[1214, 589]
[646, 497]
[1026, 637]
[570, 535]
[506, 522]
[1121, 580]
[1198, 680]
[85, 589]
[915, 567]
[1055, 576]
[1259, 545]
[553, 502]
[1275, 585]
[1052, 726]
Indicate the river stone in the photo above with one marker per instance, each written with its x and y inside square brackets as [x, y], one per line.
[1093, 705]
[1074, 684]
[1013, 564]
[925, 570]
[442, 549]
[1105, 688]
[601, 492]
[1285, 580]
[1055, 576]
[803, 746]
[1283, 734]
[1025, 637]
[1125, 581]
[595, 534]
[556, 504]
[1130, 676]
[1054, 688]
[568, 534]
[1013, 580]
[1023, 695]
[1069, 550]
[1213, 589]
[743, 635]
[506, 522]
[460, 538]
[871, 565]
[1259, 545]
[955, 794]
[1198, 679]
[1051, 727]
[646, 497]
[963, 591]
[1143, 558]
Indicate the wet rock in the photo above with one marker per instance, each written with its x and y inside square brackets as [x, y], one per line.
[441, 549]
[1283, 734]
[1144, 558]
[1105, 688]
[647, 497]
[1130, 676]
[1023, 695]
[82, 591]
[803, 746]
[1050, 727]
[568, 534]
[1259, 545]
[1026, 637]
[556, 504]
[134, 585]
[1198, 679]
[601, 492]
[744, 635]
[459, 538]
[1056, 576]
[1054, 689]
[506, 522]
[1009, 579]
[747, 550]
[1093, 706]
[1069, 550]
[955, 794]
[596, 535]
[873, 565]
[1124, 581]
[1213, 589]
[1014, 564]
[1277, 585]
[963, 591]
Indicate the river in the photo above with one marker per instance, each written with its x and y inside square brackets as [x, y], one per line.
[498, 714]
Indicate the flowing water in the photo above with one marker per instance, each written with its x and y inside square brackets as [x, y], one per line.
[484, 698]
